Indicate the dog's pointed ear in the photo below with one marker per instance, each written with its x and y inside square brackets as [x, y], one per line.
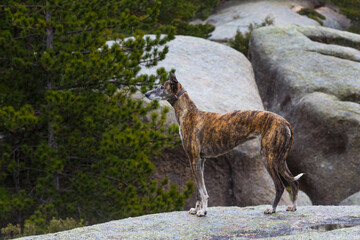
[173, 82]
[173, 78]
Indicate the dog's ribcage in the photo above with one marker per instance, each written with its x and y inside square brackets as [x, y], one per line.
[223, 132]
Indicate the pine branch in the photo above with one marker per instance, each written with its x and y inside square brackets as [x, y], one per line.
[80, 31]
[116, 179]
[27, 6]
[87, 85]
[88, 29]
[70, 33]
[30, 35]
[145, 62]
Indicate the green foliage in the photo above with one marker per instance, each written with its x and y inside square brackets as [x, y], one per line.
[55, 225]
[355, 28]
[177, 13]
[313, 14]
[198, 30]
[206, 7]
[11, 231]
[74, 142]
[241, 41]
[180, 9]
[351, 9]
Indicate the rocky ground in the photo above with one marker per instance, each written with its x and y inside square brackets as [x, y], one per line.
[310, 222]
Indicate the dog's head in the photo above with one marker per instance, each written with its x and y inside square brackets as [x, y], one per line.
[166, 91]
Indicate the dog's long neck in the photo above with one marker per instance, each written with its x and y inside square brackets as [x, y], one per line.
[183, 106]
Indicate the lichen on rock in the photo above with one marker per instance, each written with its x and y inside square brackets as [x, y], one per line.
[226, 223]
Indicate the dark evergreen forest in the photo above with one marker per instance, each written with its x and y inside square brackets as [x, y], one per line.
[75, 146]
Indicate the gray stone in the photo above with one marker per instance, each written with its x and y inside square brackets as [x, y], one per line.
[238, 15]
[351, 200]
[310, 75]
[310, 222]
[218, 79]
[303, 199]
[333, 18]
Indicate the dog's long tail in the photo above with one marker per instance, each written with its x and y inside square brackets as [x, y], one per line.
[283, 168]
[297, 177]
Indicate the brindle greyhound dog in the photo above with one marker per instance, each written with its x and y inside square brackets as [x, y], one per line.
[207, 134]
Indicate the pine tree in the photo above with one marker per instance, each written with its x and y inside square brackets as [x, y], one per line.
[73, 140]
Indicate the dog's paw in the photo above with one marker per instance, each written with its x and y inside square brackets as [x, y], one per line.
[292, 208]
[193, 211]
[201, 213]
[269, 211]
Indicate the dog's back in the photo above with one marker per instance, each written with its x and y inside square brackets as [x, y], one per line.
[220, 133]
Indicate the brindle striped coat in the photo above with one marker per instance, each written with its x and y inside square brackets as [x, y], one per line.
[207, 134]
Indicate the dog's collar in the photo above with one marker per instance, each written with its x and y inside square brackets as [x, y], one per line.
[176, 96]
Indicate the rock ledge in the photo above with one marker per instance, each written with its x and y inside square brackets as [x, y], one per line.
[228, 223]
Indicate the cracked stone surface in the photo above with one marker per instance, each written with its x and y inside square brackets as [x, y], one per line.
[310, 75]
[312, 222]
[238, 15]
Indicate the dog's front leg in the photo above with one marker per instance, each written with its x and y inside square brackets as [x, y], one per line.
[197, 166]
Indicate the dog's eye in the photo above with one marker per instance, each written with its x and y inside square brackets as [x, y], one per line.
[162, 87]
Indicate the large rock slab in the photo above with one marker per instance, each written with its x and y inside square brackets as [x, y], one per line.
[218, 79]
[334, 19]
[315, 222]
[310, 75]
[238, 15]
[351, 200]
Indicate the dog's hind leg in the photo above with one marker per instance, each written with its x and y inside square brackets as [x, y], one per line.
[286, 176]
[275, 146]
[294, 185]
[279, 187]
[270, 153]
